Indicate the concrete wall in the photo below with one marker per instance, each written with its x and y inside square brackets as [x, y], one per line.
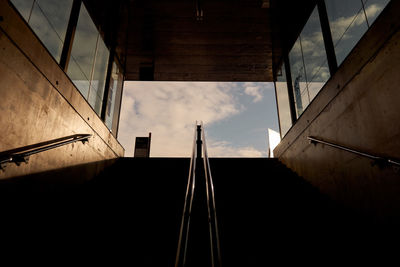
[39, 103]
[359, 107]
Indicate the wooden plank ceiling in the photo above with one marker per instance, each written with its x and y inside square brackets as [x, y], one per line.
[200, 40]
[183, 40]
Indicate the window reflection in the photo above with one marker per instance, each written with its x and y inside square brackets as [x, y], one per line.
[282, 96]
[348, 21]
[373, 8]
[49, 20]
[348, 24]
[298, 76]
[315, 61]
[114, 96]
[89, 61]
[308, 63]
[24, 7]
[83, 52]
[97, 84]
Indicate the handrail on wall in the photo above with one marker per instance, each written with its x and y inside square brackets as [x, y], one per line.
[22, 154]
[314, 140]
[199, 149]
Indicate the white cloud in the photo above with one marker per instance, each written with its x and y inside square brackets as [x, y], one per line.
[226, 149]
[254, 91]
[170, 110]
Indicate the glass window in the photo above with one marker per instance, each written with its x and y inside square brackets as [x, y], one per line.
[314, 55]
[78, 77]
[298, 77]
[49, 20]
[308, 63]
[373, 8]
[114, 98]
[281, 88]
[83, 52]
[24, 7]
[87, 66]
[348, 24]
[97, 84]
[89, 61]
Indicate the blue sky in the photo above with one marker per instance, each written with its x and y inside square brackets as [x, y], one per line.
[236, 117]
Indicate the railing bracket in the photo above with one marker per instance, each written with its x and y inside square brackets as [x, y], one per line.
[18, 159]
[3, 166]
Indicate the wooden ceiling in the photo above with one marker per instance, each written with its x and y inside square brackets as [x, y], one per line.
[230, 42]
[202, 40]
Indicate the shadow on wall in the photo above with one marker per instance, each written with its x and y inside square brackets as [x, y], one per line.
[58, 180]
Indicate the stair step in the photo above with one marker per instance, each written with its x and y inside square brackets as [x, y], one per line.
[265, 213]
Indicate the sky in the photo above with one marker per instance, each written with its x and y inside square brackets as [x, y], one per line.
[236, 117]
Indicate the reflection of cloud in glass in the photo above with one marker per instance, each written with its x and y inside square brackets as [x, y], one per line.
[46, 34]
[99, 76]
[57, 13]
[78, 77]
[342, 25]
[314, 49]
[348, 22]
[89, 61]
[115, 88]
[24, 7]
[85, 40]
[308, 61]
[49, 20]
[372, 13]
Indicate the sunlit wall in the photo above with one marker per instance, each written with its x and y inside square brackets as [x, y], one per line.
[91, 64]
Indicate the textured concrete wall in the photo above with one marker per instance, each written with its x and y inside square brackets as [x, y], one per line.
[359, 108]
[39, 103]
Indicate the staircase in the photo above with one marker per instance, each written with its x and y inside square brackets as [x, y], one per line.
[131, 214]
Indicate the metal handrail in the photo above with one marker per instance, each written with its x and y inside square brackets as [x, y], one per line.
[314, 140]
[22, 154]
[181, 252]
[199, 145]
[212, 212]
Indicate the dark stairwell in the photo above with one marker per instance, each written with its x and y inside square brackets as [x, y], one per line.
[150, 212]
[131, 214]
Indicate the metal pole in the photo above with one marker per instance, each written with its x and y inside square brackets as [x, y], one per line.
[199, 142]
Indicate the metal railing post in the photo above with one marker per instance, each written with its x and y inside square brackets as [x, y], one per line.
[199, 142]
[199, 149]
